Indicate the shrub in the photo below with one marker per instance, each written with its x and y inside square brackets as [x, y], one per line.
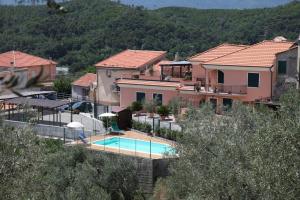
[168, 134]
[136, 106]
[150, 106]
[175, 105]
[142, 126]
[163, 111]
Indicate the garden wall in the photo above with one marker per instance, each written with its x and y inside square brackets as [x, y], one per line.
[149, 170]
[48, 130]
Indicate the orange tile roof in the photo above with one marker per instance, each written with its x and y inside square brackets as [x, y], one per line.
[149, 83]
[262, 54]
[132, 59]
[20, 59]
[217, 52]
[86, 80]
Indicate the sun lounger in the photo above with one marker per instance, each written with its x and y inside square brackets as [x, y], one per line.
[115, 128]
[82, 137]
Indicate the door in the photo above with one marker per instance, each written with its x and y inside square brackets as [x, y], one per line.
[213, 102]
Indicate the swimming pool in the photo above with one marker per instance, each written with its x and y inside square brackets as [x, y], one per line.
[135, 145]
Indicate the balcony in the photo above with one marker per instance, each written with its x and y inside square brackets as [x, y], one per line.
[219, 89]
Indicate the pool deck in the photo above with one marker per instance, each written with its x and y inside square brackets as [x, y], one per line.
[131, 135]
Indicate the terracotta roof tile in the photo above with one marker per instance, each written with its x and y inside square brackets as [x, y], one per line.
[20, 59]
[217, 52]
[86, 80]
[132, 59]
[262, 54]
[149, 83]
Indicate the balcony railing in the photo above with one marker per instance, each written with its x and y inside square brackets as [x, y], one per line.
[227, 89]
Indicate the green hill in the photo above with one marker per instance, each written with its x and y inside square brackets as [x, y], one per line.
[95, 29]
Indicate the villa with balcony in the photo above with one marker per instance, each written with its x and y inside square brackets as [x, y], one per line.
[131, 64]
[220, 75]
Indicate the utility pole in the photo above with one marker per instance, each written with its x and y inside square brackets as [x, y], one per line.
[298, 62]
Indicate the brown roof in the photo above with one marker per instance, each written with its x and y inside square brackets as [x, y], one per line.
[149, 83]
[132, 59]
[217, 52]
[86, 80]
[20, 59]
[262, 54]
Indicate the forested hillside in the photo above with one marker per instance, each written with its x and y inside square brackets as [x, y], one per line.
[153, 4]
[94, 29]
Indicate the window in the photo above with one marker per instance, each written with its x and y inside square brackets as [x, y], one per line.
[253, 79]
[282, 67]
[227, 104]
[140, 97]
[158, 98]
[220, 77]
[108, 73]
[85, 92]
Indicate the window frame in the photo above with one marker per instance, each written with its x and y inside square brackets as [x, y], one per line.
[136, 95]
[218, 76]
[281, 74]
[162, 98]
[258, 85]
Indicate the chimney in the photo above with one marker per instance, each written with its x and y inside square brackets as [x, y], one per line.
[176, 57]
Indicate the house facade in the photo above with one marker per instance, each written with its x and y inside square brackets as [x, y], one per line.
[287, 71]
[220, 75]
[33, 64]
[82, 88]
[127, 64]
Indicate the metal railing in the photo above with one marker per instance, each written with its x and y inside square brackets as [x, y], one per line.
[228, 89]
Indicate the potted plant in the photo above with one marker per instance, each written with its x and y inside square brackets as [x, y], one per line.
[150, 107]
[163, 111]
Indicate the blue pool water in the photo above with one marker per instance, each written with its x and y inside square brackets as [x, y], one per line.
[135, 145]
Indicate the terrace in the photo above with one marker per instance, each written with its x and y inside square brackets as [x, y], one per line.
[218, 89]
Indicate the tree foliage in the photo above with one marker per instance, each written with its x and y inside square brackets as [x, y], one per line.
[35, 168]
[63, 85]
[93, 30]
[246, 154]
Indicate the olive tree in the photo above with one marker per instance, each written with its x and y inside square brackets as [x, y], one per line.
[248, 153]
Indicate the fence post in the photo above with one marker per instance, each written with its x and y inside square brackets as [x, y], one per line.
[135, 147]
[150, 149]
[64, 135]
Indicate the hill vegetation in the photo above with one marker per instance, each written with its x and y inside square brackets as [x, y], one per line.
[95, 29]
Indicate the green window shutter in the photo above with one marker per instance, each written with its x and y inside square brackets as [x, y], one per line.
[282, 67]
[253, 80]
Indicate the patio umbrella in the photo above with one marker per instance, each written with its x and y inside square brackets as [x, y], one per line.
[75, 125]
[107, 115]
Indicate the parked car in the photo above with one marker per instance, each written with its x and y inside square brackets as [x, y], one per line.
[64, 108]
[82, 106]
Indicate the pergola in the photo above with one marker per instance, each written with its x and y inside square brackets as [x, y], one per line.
[175, 69]
[40, 104]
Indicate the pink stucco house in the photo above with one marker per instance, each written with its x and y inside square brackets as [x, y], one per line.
[18, 60]
[131, 64]
[220, 75]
